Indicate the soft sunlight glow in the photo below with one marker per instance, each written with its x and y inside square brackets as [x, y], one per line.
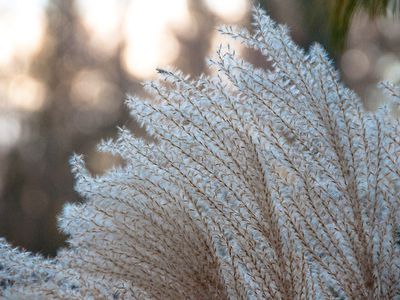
[149, 28]
[150, 42]
[22, 25]
[103, 20]
[229, 10]
[91, 90]
[26, 93]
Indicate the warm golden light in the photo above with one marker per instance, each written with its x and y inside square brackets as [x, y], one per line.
[150, 42]
[26, 93]
[22, 25]
[90, 89]
[102, 19]
[229, 10]
[148, 28]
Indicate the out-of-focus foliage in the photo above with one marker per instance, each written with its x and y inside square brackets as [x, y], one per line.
[340, 13]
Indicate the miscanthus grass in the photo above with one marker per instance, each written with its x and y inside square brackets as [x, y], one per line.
[260, 184]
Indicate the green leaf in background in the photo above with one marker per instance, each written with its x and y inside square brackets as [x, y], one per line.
[342, 11]
[328, 21]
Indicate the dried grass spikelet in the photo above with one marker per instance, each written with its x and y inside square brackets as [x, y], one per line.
[263, 184]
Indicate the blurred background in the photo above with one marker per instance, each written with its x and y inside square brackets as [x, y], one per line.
[66, 66]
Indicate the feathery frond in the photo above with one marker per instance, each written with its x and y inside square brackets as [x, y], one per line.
[262, 184]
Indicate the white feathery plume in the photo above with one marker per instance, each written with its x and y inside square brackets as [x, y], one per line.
[261, 184]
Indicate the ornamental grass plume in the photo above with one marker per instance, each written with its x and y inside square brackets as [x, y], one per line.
[260, 184]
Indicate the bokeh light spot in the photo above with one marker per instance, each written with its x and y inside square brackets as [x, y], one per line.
[26, 93]
[229, 10]
[355, 64]
[102, 20]
[150, 42]
[22, 26]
